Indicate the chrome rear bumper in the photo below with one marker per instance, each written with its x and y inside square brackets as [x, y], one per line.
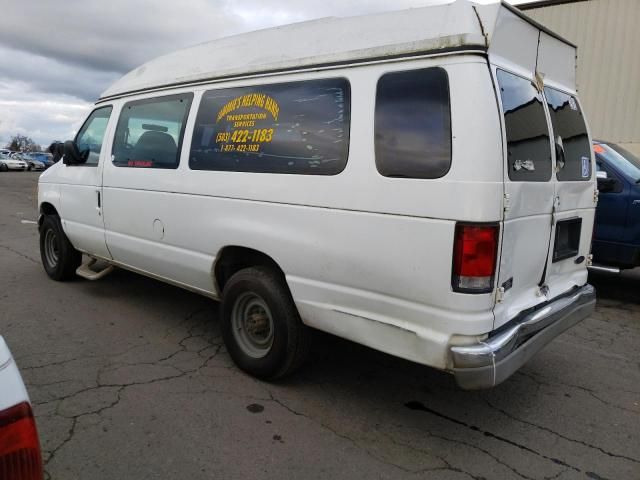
[493, 360]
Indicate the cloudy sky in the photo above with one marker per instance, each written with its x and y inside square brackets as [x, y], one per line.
[57, 57]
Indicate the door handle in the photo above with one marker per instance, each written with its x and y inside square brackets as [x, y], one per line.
[99, 207]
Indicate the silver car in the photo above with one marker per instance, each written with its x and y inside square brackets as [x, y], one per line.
[33, 163]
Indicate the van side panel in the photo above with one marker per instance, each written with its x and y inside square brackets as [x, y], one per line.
[357, 248]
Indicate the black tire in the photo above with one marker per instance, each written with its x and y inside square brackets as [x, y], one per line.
[59, 258]
[290, 337]
[29, 168]
[3, 167]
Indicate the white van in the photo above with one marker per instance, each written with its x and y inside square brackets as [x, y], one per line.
[420, 182]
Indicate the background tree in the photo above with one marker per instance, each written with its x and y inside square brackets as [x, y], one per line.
[22, 143]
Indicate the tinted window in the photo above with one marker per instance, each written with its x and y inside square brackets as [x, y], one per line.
[300, 127]
[413, 124]
[633, 159]
[573, 149]
[150, 131]
[528, 145]
[91, 134]
[627, 163]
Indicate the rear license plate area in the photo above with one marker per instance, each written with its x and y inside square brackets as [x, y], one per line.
[567, 242]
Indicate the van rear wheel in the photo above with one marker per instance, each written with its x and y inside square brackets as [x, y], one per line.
[59, 258]
[261, 326]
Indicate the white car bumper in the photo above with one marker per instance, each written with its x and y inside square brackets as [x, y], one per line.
[12, 389]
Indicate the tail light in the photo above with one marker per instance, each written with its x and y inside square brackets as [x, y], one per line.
[475, 250]
[20, 457]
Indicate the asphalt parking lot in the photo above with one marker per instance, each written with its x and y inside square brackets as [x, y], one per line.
[130, 381]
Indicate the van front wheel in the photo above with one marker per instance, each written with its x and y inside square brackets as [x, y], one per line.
[59, 258]
[260, 324]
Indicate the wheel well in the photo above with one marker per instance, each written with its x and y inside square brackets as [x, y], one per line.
[46, 209]
[232, 259]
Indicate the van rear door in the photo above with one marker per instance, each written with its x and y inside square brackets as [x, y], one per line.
[575, 195]
[549, 203]
[549, 194]
[529, 191]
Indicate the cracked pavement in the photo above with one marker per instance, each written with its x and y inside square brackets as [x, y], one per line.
[130, 380]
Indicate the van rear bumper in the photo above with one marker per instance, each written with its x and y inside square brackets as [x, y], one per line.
[492, 361]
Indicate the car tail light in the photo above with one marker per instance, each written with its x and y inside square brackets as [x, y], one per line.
[475, 250]
[20, 457]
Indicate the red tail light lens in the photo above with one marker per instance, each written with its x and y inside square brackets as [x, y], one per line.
[475, 251]
[20, 457]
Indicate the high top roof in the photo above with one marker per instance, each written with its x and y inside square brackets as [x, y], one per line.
[458, 25]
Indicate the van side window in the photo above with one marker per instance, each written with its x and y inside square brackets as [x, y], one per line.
[91, 134]
[570, 132]
[527, 131]
[150, 131]
[297, 127]
[413, 124]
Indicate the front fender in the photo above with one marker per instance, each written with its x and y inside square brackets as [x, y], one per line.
[49, 200]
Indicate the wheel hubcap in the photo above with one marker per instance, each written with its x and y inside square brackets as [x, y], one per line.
[252, 325]
[51, 251]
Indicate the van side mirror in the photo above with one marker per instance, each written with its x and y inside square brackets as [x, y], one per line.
[73, 155]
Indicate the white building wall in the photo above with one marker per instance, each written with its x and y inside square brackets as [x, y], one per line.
[607, 33]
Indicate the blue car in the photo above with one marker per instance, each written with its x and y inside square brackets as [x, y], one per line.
[616, 239]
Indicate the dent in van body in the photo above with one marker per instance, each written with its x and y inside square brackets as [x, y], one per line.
[521, 258]
[359, 275]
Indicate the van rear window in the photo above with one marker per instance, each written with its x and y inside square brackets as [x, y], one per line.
[573, 150]
[413, 124]
[296, 127]
[527, 132]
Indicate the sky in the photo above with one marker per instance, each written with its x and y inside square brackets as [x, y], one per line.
[56, 58]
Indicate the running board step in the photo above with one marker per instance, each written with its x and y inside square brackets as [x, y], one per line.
[85, 270]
